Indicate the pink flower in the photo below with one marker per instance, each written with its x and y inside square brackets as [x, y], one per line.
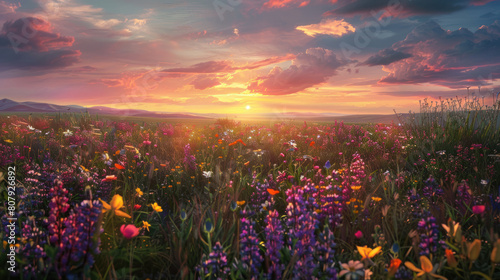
[146, 142]
[478, 209]
[358, 234]
[129, 231]
[282, 155]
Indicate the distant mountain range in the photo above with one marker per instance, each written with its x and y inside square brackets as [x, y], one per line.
[7, 105]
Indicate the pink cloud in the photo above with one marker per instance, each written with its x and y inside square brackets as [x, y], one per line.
[311, 68]
[203, 82]
[328, 26]
[449, 58]
[284, 3]
[8, 8]
[38, 35]
[30, 44]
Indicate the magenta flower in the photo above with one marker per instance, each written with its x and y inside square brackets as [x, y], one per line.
[358, 234]
[129, 231]
[478, 209]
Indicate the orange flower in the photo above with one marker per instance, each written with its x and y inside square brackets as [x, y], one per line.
[115, 205]
[240, 202]
[110, 178]
[393, 268]
[246, 163]
[426, 268]
[216, 135]
[368, 253]
[119, 166]
[451, 258]
[238, 141]
[311, 144]
[272, 192]
[473, 249]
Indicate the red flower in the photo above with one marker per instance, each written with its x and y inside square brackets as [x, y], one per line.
[119, 166]
[129, 231]
[478, 209]
[272, 192]
[137, 207]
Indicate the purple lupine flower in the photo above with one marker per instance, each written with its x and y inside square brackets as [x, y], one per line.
[58, 206]
[415, 202]
[260, 196]
[432, 190]
[215, 266]
[325, 251]
[429, 235]
[249, 245]
[189, 159]
[274, 243]
[32, 251]
[302, 222]
[79, 241]
[403, 274]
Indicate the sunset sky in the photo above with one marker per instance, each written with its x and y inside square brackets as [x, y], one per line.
[249, 56]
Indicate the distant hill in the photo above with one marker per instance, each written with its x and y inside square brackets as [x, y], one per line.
[7, 105]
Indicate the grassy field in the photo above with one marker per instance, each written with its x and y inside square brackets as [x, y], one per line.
[102, 197]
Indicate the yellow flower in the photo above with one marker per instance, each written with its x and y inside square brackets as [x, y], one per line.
[156, 207]
[355, 188]
[454, 230]
[473, 249]
[146, 225]
[8, 141]
[240, 202]
[427, 268]
[116, 204]
[139, 192]
[368, 253]
[495, 253]
[376, 198]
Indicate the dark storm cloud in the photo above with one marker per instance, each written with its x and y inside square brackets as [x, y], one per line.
[29, 44]
[386, 57]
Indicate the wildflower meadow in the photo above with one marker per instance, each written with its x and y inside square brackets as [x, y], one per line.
[86, 197]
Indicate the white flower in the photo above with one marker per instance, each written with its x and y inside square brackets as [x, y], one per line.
[352, 270]
[207, 174]
[68, 133]
[30, 127]
[441, 152]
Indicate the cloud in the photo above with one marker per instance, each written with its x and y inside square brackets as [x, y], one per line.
[205, 100]
[449, 58]
[285, 3]
[224, 66]
[385, 57]
[313, 67]
[203, 82]
[141, 79]
[403, 8]
[8, 8]
[29, 44]
[204, 67]
[327, 26]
